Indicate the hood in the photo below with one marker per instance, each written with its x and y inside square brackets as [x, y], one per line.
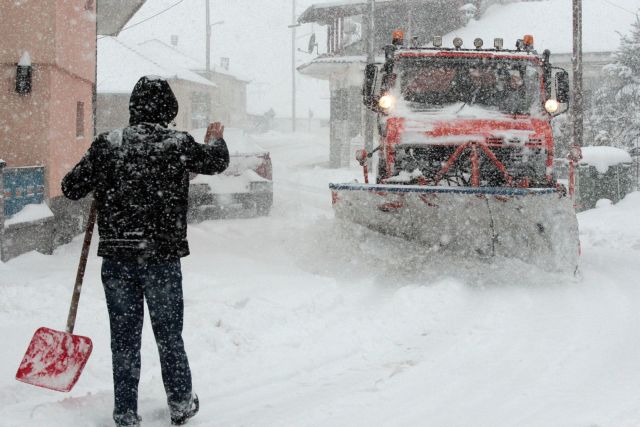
[519, 130]
[458, 125]
[152, 101]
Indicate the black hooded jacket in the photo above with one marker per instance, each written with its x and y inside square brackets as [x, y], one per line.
[139, 177]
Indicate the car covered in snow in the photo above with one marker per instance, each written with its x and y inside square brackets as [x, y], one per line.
[244, 189]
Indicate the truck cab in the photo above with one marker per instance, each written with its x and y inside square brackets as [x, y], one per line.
[466, 117]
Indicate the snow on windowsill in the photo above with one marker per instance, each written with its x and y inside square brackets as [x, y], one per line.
[30, 213]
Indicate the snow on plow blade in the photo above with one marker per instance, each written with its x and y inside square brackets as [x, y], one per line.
[538, 225]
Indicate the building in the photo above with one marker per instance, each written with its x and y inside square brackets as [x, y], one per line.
[344, 56]
[47, 76]
[203, 97]
[50, 124]
[230, 103]
[119, 68]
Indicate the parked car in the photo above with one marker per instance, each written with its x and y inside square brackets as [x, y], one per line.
[244, 189]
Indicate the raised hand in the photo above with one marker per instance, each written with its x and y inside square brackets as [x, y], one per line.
[215, 131]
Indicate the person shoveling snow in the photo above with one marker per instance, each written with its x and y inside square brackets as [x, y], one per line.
[139, 177]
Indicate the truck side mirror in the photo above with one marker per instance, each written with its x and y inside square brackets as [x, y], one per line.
[368, 88]
[562, 87]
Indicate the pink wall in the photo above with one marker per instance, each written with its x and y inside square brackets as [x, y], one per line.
[40, 128]
[65, 149]
[27, 25]
[76, 38]
[24, 119]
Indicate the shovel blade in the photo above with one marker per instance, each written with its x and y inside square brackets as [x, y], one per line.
[54, 359]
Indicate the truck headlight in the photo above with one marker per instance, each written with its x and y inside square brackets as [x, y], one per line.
[386, 102]
[551, 106]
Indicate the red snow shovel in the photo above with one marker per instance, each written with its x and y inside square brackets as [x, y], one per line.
[55, 359]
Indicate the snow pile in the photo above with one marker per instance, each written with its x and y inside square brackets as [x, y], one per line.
[620, 228]
[604, 157]
[30, 213]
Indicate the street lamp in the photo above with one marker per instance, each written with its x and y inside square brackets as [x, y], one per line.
[293, 26]
[209, 25]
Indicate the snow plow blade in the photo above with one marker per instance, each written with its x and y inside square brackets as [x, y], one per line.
[535, 225]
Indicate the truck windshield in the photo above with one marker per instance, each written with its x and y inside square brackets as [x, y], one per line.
[512, 87]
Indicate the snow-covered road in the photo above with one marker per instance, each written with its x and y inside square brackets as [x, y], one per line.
[298, 320]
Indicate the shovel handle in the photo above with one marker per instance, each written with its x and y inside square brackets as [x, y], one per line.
[73, 309]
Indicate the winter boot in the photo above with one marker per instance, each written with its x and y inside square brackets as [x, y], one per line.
[128, 419]
[183, 412]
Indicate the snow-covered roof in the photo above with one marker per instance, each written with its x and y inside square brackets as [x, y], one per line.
[604, 157]
[160, 51]
[157, 49]
[550, 23]
[121, 65]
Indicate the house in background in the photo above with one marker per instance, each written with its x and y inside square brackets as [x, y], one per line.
[119, 68]
[343, 58]
[47, 75]
[230, 104]
[202, 97]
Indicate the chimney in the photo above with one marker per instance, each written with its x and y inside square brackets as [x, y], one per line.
[224, 63]
[174, 40]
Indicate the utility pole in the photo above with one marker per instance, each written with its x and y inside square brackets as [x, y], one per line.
[577, 116]
[208, 56]
[293, 66]
[369, 115]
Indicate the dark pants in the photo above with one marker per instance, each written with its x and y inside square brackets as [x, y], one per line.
[126, 285]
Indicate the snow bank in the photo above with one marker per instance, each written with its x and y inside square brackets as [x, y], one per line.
[611, 226]
[30, 213]
[604, 157]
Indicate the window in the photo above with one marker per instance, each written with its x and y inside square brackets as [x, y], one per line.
[199, 110]
[79, 119]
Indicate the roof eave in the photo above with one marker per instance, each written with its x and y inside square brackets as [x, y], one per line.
[113, 15]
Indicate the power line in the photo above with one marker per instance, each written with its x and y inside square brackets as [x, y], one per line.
[620, 7]
[153, 16]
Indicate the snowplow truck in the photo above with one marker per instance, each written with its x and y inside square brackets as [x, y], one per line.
[465, 154]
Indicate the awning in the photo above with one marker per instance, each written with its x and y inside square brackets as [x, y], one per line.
[328, 67]
[112, 15]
